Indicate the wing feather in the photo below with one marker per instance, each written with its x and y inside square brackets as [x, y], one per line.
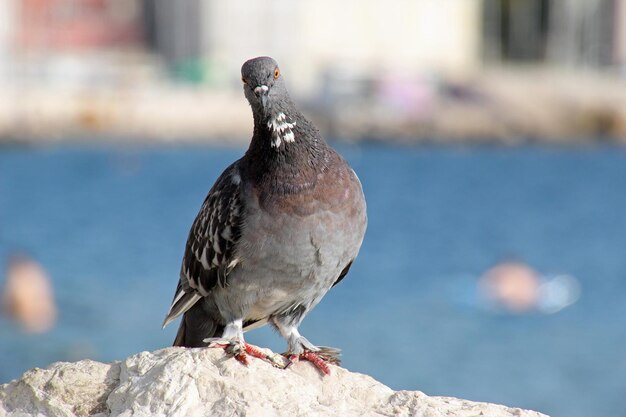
[211, 250]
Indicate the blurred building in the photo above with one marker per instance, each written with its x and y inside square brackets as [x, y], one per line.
[373, 36]
[402, 67]
[51, 25]
[56, 40]
[208, 39]
[174, 30]
[311, 36]
[590, 33]
[8, 22]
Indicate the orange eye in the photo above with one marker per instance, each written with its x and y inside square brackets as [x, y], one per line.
[243, 80]
[276, 73]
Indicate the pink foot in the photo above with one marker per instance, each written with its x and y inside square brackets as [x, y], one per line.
[319, 361]
[241, 352]
[253, 351]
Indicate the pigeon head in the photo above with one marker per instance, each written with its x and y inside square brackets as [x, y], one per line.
[263, 86]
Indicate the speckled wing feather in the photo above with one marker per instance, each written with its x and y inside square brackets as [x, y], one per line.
[210, 253]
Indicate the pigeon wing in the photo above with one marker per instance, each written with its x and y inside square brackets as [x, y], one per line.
[210, 253]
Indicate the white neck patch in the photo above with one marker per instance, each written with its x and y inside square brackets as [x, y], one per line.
[281, 130]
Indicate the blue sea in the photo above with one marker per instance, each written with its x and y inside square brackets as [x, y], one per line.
[109, 222]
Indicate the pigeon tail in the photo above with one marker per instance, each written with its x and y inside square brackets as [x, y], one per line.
[196, 326]
[183, 301]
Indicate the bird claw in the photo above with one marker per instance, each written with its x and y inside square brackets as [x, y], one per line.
[234, 347]
[278, 361]
[320, 358]
[319, 361]
[240, 350]
[231, 346]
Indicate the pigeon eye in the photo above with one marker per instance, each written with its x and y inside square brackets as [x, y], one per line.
[276, 73]
[243, 80]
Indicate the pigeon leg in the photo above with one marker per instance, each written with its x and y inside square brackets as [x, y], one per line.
[301, 349]
[320, 358]
[233, 344]
[274, 359]
[240, 350]
[231, 341]
[235, 347]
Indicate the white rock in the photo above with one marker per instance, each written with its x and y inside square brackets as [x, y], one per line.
[205, 382]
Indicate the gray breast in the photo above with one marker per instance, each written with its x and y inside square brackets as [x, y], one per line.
[292, 260]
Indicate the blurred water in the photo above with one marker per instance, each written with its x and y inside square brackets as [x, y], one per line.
[109, 225]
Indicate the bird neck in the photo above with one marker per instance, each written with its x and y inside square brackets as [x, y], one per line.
[286, 151]
[283, 131]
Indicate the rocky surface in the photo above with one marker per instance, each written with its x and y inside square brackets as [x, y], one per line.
[205, 382]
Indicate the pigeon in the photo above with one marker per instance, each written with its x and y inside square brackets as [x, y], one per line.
[279, 228]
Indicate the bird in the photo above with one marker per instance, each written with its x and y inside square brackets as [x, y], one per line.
[279, 228]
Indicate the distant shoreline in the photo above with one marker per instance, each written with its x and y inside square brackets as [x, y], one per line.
[242, 143]
[499, 106]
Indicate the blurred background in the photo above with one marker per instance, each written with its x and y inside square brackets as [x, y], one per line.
[488, 135]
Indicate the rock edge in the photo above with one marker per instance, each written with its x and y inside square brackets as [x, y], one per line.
[205, 382]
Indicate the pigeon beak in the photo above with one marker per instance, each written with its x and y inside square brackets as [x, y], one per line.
[261, 92]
